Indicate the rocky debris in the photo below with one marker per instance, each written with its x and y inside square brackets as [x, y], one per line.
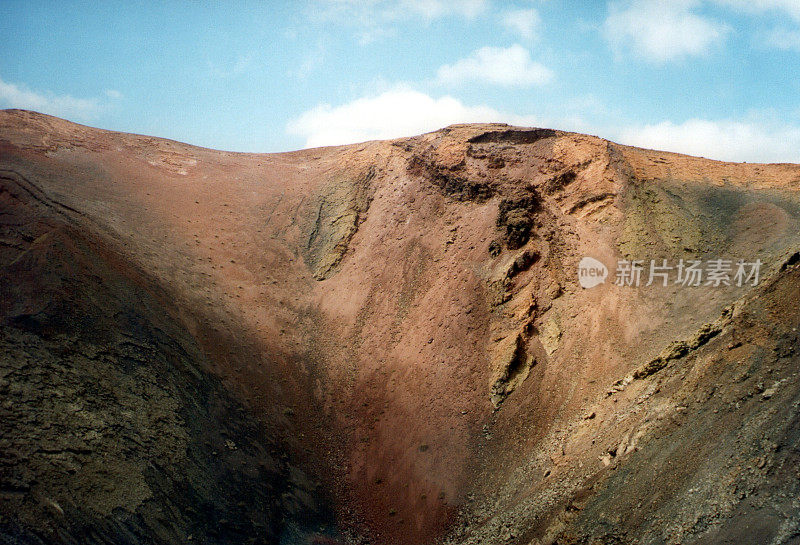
[452, 181]
[500, 283]
[340, 207]
[679, 349]
[511, 364]
[793, 259]
[516, 219]
[550, 335]
[619, 385]
[768, 393]
[659, 220]
[522, 262]
[675, 463]
[513, 136]
[560, 181]
[729, 478]
[598, 199]
[495, 248]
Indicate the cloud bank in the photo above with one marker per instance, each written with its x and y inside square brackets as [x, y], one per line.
[509, 67]
[392, 114]
[83, 109]
[725, 140]
[660, 31]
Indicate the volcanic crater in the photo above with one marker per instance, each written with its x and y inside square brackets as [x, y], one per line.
[387, 342]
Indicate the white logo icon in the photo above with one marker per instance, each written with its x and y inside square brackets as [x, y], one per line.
[591, 272]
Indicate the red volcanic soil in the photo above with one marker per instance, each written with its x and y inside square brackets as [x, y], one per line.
[387, 342]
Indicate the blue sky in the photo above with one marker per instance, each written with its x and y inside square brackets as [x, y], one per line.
[717, 78]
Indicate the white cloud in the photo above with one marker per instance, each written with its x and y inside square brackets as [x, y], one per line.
[510, 67]
[113, 94]
[726, 140]
[17, 96]
[395, 113]
[524, 22]
[661, 31]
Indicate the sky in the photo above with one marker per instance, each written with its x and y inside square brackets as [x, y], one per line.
[714, 78]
